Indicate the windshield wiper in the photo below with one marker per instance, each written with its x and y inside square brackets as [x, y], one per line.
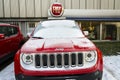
[38, 37]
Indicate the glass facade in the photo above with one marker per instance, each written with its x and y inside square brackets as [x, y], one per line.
[93, 28]
[102, 30]
[109, 31]
[31, 26]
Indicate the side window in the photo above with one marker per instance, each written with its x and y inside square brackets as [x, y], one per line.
[14, 30]
[4, 30]
[8, 30]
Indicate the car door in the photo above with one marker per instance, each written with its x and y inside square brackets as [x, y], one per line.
[4, 43]
[2, 47]
[14, 38]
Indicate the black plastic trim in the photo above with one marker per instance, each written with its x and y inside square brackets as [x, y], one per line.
[90, 76]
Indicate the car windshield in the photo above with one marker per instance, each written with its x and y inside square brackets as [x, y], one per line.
[57, 29]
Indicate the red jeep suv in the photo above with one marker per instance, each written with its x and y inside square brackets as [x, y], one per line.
[10, 40]
[58, 50]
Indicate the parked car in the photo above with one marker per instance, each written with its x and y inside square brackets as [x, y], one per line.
[10, 40]
[58, 50]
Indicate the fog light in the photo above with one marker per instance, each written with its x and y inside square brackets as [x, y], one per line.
[96, 73]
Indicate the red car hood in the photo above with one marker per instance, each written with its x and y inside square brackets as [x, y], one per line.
[57, 45]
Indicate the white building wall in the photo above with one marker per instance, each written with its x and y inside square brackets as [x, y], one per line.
[39, 8]
[14, 5]
[104, 4]
[68, 2]
[75, 4]
[22, 7]
[111, 4]
[45, 6]
[117, 4]
[30, 8]
[7, 8]
[90, 4]
[96, 4]
[1, 8]
[82, 4]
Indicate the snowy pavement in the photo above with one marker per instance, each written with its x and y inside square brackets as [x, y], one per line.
[111, 69]
[112, 65]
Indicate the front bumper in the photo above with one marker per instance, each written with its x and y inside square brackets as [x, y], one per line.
[90, 76]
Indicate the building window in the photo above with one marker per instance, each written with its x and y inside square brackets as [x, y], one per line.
[31, 26]
[102, 31]
[93, 28]
[15, 23]
[109, 31]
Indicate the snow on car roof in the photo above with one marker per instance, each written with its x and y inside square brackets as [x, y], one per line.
[58, 23]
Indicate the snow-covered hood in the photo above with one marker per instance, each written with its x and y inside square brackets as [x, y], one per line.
[38, 45]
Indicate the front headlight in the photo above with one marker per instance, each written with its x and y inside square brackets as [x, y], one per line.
[90, 56]
[27, 58]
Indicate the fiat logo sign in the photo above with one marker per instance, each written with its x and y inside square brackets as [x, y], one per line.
[56, 9]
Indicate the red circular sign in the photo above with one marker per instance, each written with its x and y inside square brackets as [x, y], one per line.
[56, 9]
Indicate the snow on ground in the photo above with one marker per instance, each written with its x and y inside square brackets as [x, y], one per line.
[8, 73]
[112, 65]
[111, 69]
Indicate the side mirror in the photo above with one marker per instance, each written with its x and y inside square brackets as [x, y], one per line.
[2, 36]
[86, 33]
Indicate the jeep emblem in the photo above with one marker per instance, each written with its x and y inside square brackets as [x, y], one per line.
[59, 49]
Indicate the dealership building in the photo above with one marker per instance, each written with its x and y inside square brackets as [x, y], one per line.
[100, 17]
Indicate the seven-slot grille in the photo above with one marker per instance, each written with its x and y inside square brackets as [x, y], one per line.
[58, 60]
